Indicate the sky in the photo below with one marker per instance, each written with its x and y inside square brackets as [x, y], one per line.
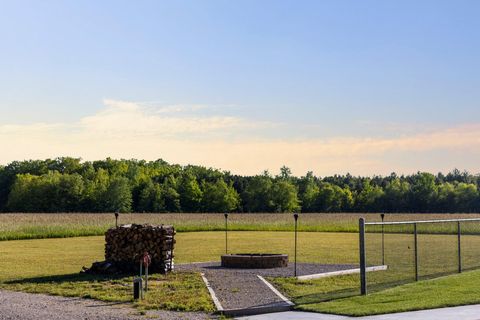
[334, 87]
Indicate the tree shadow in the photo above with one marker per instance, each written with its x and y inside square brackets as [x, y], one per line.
[73, 277]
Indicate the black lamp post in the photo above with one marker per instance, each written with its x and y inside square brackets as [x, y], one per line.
[295, 216]
[383, 239]
[116, 219]
[226, 232]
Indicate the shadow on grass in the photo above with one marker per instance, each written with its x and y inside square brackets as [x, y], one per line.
[326, 296]
[73, 277]
[346, 292]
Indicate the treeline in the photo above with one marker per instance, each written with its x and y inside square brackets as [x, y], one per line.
[70, 185]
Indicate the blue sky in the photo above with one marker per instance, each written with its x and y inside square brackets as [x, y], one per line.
[367, 87]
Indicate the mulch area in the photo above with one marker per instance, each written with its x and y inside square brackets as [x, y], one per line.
[241, 288]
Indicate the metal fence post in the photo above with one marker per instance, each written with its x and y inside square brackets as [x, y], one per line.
[383, 239]
[459, 231]
[416, 250]
[363, 261]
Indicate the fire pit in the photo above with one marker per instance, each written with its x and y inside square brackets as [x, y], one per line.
[254, 260]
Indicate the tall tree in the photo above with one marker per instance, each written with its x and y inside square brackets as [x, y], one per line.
[284, 197]
[219, 197]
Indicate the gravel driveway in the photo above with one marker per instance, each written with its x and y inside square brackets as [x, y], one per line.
[241, 288]
[27, 306]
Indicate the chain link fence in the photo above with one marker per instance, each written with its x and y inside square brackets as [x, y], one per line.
[394, 253]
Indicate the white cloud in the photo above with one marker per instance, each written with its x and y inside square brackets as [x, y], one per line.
[131, 130]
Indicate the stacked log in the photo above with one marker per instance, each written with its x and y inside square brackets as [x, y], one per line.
[126, 245]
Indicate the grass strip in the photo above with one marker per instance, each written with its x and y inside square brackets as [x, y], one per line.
[449, 291]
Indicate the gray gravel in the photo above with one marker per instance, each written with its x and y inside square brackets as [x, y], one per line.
[241, 288]
[27, 306]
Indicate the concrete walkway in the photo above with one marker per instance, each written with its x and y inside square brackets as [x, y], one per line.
[455, 313]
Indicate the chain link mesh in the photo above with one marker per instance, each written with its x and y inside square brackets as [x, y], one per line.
[417, 251]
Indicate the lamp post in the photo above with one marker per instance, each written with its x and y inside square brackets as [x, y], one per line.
[116, 219]
[295, 216]
[383, 239]
[226, 232]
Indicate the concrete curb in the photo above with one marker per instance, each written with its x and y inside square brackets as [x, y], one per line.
[212, 293]
[271, 287]
[341, 272]
[271, 308]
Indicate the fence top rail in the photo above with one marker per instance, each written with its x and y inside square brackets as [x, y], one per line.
[421, 221]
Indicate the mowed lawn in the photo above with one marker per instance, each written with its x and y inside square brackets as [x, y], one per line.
[57, 225]
[44, 257]
[452, 290]
[52, 266]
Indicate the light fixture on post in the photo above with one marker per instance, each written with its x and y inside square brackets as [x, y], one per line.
[295, 216]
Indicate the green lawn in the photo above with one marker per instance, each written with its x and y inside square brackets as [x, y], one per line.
[46, 257]
[52, 266]
[453, 290]
[183, 291]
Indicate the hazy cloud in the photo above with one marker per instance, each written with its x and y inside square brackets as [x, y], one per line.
[180, 134]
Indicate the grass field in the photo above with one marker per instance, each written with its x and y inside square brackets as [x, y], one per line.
[52, 265]
[453, 290]
[46, 257]
[60, 225]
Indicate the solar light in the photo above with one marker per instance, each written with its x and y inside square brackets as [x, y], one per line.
[295, 216]
[116, 219]
[226, 232]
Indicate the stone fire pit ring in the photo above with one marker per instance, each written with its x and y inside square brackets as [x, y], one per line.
[254, 260]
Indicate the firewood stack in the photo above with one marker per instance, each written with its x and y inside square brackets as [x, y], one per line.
[126, 245]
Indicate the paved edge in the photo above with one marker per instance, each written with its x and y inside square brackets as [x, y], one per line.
[272, 308]
[217, 303]
[341, 272]
[281, 296]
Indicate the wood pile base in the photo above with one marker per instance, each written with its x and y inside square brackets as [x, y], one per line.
[126, 245]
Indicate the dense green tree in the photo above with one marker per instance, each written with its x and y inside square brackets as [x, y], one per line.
[219, 197]
[257, 196]
[466, 197]
[285, 197]
[423, 192]
[396, 195]
[170, 194]
[285, 172]
[151, 198]
[308, 191]
[369, 198]
[190, 194]
[67, 184]
[117, 196]
[69, 193]
[446, 201]
[21, 196]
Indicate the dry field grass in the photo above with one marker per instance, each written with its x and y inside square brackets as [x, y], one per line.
[15, 226]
